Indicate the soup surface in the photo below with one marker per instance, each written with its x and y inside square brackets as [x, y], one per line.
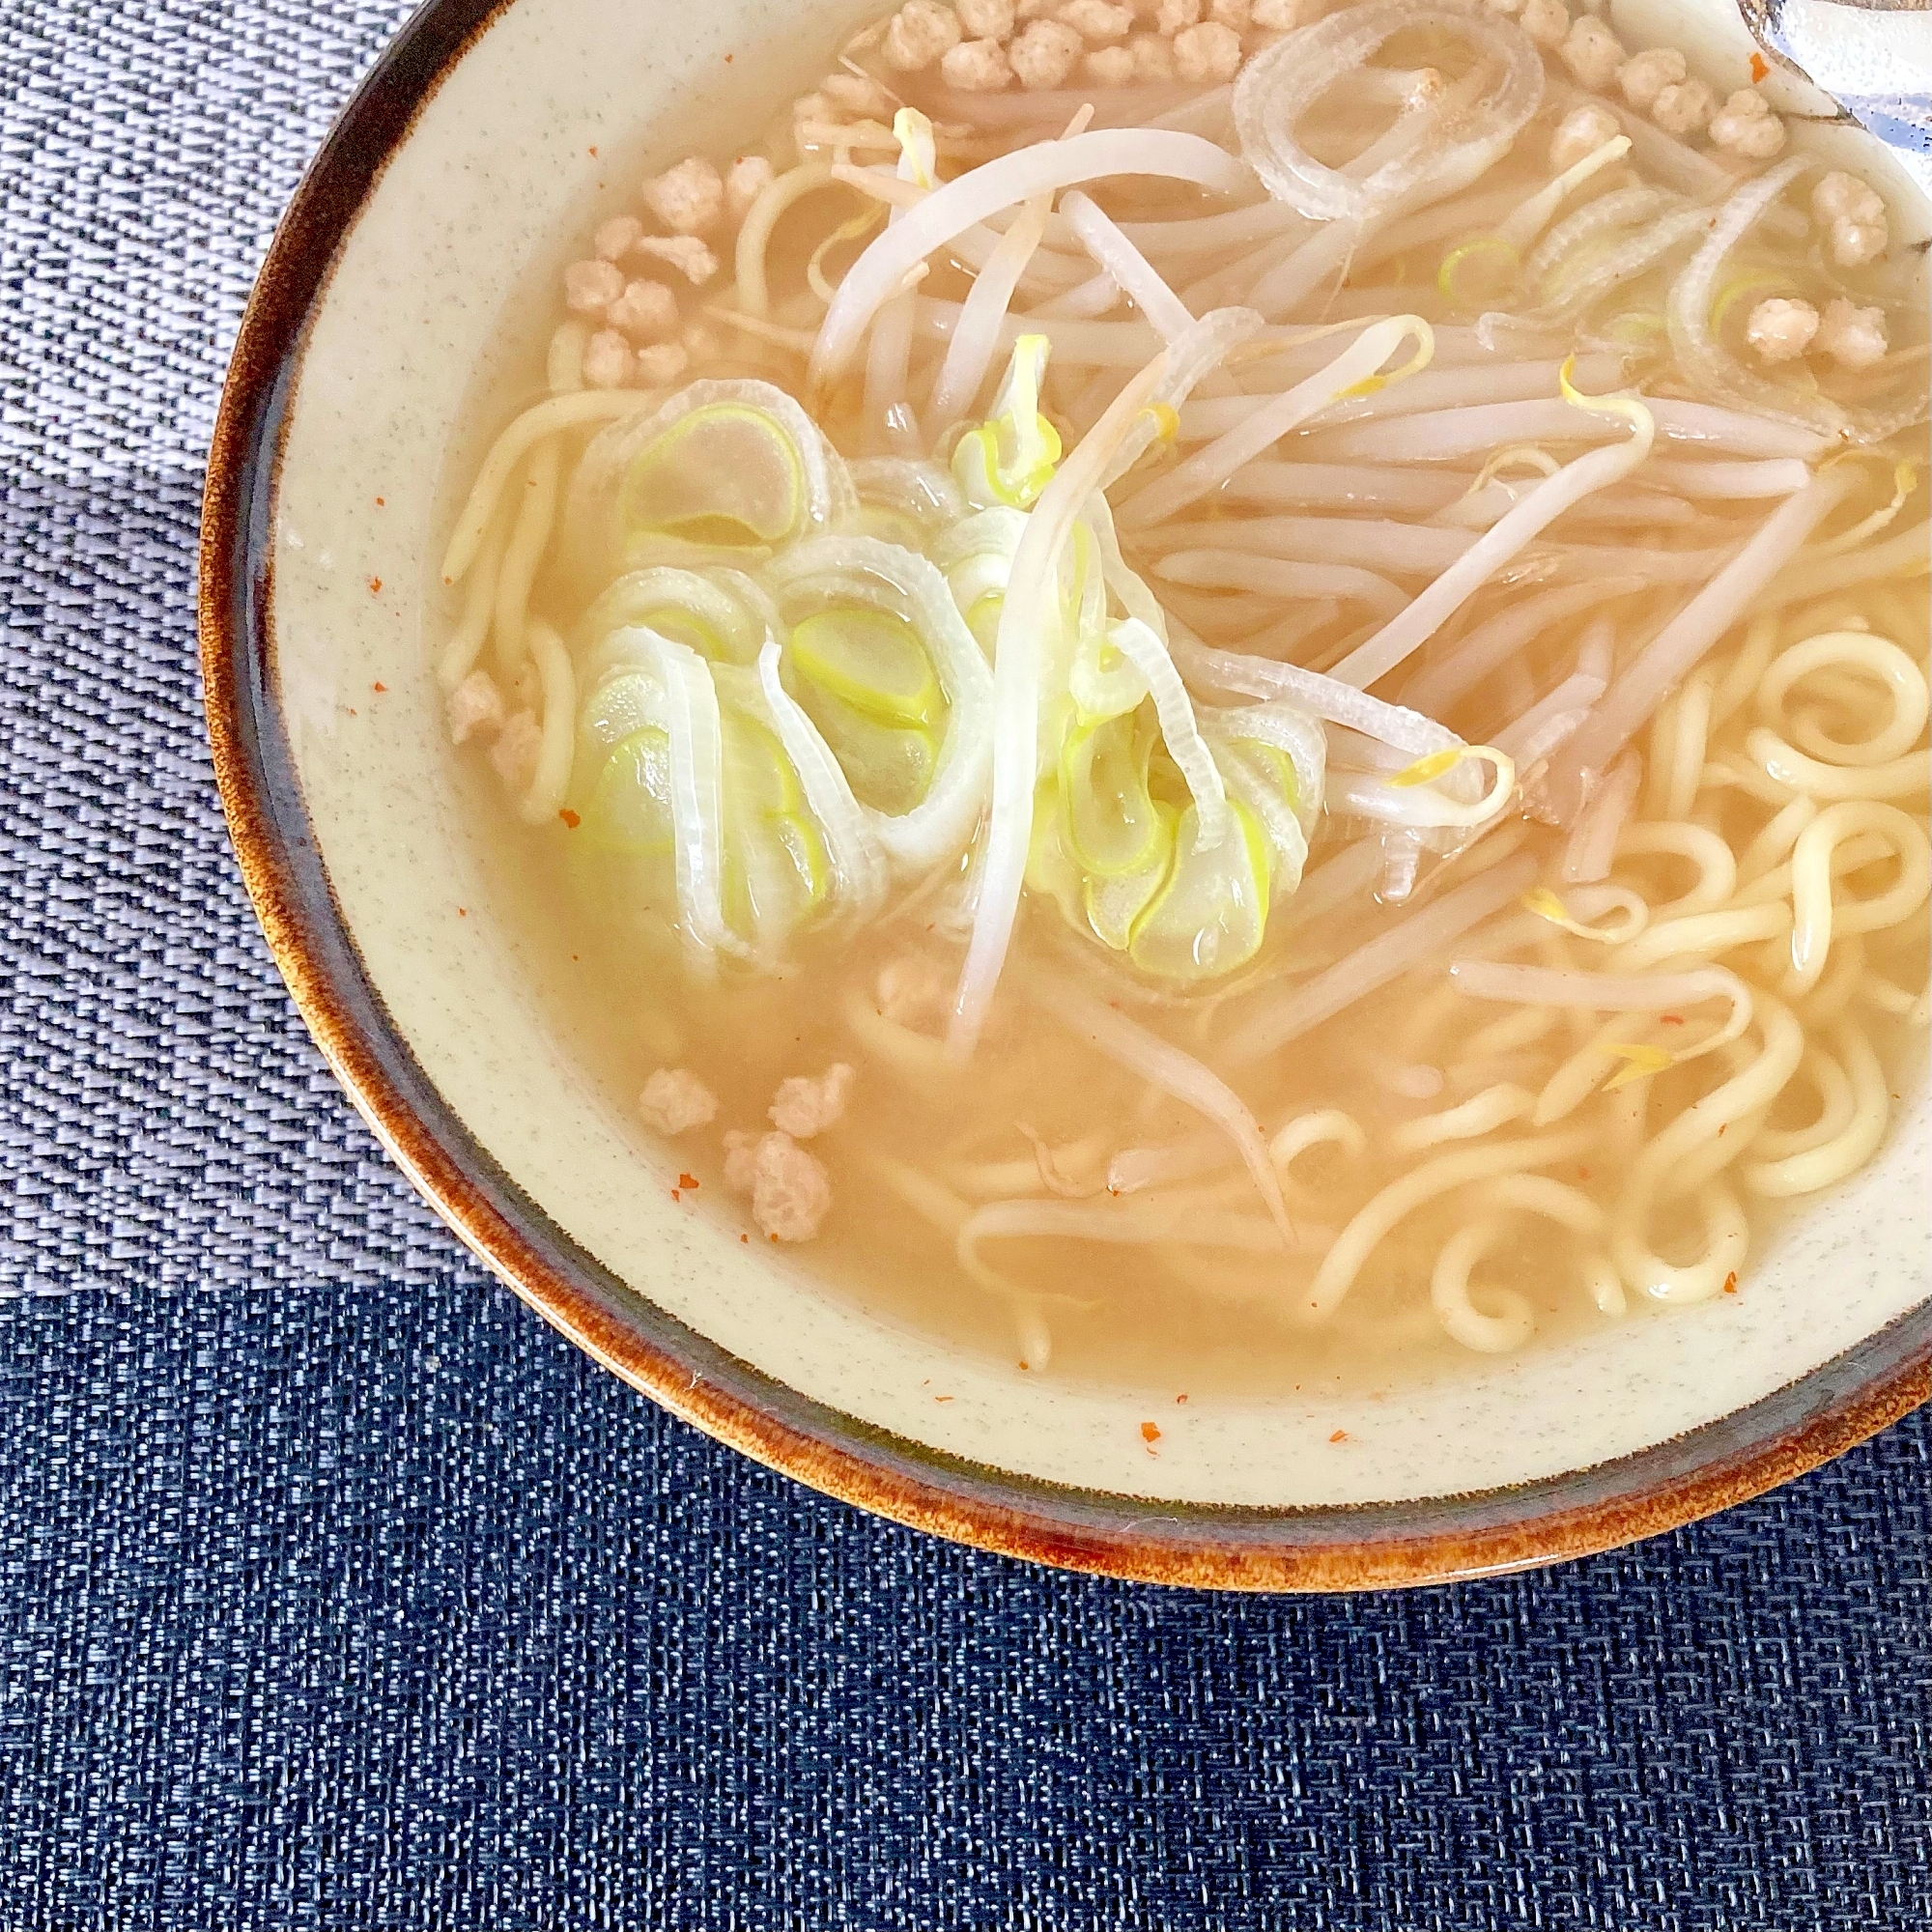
[1230, 697]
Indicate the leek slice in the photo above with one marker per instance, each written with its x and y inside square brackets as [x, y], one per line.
[776, 872]
[1166, 784]
[890, 767]
[723, 616]
[923, 784]
[1107, 812]
[1477, 271]
[722, 473]
[1115, 907]
[1102, 680]
[1211, 911]
[1262, 779]
[1282, 727]
[872, 661]
[983, 618]
[629, 809]
[1051, 870]
[625, 701]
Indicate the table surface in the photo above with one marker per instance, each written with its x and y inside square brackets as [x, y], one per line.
[336, 1591]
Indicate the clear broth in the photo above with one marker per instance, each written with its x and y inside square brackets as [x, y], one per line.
[1170, 1315]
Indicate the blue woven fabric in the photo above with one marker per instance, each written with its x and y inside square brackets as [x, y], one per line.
[336, 1592]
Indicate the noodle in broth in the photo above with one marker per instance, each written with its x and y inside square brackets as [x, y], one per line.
[1234, 703]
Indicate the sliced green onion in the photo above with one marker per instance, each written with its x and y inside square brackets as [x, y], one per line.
[726, 473]
[1211, 912]
[1167, 782]
[982, 619]
[1478, 272]
[1179, 731]
[626, 701]
[1115, 907]
[1051, 870]
[629, 809]
[872, 661]
[1102, 681]
[1263, 777]
[1284, 727]
[923, 784]
[758, 777]
[776, 870]
[1283, 778]
[883, 525]
[859, 877]
[994, 532]
[720, 614]
[1107, 812]
[889, 767]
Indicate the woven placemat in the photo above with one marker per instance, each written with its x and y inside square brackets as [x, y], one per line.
[335, 1591]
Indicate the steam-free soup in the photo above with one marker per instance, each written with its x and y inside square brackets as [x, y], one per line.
[1231, 693]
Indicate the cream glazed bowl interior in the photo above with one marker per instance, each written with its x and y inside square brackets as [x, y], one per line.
[487, 137]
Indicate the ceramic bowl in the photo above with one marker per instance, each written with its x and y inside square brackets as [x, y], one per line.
[452, 182]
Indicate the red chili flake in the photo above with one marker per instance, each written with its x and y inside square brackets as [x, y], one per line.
[1180, 1399]
[1340, 1436]
[463, 912]
[1731, 1282]
[687, 1180]
[592, 152]
[378, 687]
[745, 1239]
[1025, 1365]
[773, 1239]
[674, 1194]
[727, 60]
[1760, 67]
[1672, 1019]
[381, 502]
[942, 1397]
[374, 585]
[1721, 1125]
[570, 818]
[1149, 1432]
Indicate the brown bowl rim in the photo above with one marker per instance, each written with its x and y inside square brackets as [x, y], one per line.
[1326, 1549]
